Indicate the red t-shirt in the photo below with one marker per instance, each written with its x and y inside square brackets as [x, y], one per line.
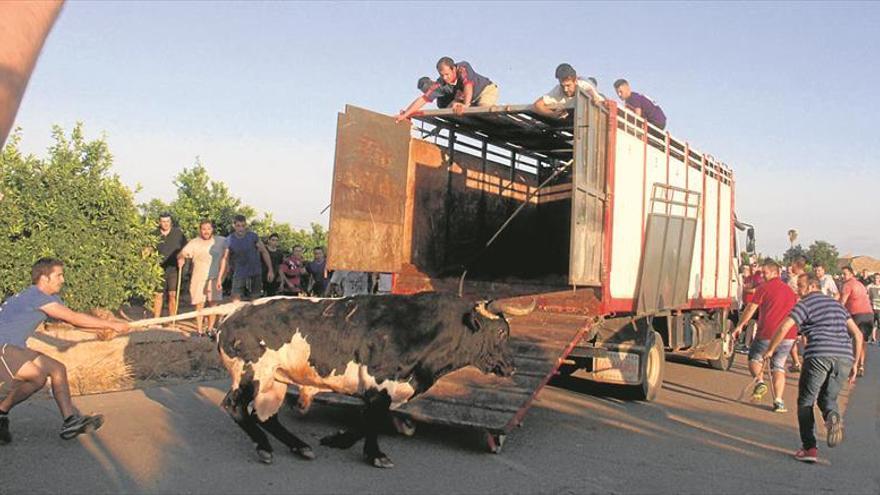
[754, 281]
[858, 302]
[775, 299]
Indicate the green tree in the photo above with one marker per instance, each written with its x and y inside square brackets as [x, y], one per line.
[199, 197]
[825, 253]
[794, 252]
[71, 207]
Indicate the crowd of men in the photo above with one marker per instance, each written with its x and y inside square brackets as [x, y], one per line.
[242, 266]
[812, 314]
[459, 87]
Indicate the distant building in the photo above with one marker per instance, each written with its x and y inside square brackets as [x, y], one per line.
[860, 263]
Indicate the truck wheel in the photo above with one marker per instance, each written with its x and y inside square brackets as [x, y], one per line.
[728, 354]
[652, 364]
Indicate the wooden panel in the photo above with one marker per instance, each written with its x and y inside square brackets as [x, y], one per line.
[369, 192]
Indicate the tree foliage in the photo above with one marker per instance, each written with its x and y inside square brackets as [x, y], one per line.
[794, 252]
[71, 207]
[825, 253]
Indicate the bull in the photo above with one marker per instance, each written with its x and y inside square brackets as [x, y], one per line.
[385, 349]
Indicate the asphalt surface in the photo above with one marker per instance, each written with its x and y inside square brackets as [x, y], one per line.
[577, 438]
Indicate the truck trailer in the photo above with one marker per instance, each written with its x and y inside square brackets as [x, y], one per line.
[623, 234]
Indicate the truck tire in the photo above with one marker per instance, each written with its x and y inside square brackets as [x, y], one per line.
[651, 368]
[728, 354]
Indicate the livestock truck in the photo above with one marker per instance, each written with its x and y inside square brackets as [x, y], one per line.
[625, 235]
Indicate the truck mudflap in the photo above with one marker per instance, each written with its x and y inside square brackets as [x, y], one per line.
[469, 398]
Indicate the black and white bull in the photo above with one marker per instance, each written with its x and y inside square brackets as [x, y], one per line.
[384, 349]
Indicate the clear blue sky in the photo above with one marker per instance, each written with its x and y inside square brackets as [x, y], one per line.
[785, 93]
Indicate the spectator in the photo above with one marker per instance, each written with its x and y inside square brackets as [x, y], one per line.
[276, 256]
[834, 342]
[752, 279]
[774, 299]
[854, 298]
[826, 282]
[171, 241]
[27, 370]
[554, 102]
[641, 104]
[865, 278]
[874, 294]
[317, 270]
[206, 252]
[458, 85]
[243, 251]
[796, 269]
[292, 269]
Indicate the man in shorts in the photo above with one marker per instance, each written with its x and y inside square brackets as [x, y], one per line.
[244, 249]
[171, 241]
[206, 251]
[24, 371]
[834, 342]
[854, 297]
[774, 299]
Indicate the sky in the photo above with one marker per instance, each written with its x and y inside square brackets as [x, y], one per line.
[781, 92]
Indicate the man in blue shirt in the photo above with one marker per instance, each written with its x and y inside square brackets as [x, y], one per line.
[24, 370]
[244, 249]
[458, 86]
[834, 343]
[641, 104]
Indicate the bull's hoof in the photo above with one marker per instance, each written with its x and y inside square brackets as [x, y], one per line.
[264, 456]
[380, 461]
[342, 439]
[305, 452]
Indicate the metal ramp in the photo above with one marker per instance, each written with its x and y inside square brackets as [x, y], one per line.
[469, 398]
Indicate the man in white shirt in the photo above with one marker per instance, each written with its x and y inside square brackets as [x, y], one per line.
[826, 282]
[206, 252]
[554, 102]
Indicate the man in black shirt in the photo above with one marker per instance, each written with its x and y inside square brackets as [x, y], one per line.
[276, 256]
[171, 241]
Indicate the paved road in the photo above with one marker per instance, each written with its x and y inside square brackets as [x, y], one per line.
[695, 438]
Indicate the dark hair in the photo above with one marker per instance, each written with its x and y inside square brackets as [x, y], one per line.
[799, 262]
[849, 268]
[565, 71]
[43, 267]
[592, 80]
[812, 279]
[769, 263]
[298, 246]
[445, 62]
[205, 221]
[239, 218]
[818, 265]
[273, 234]
[424, 83]
[317, 248]
[620, 82]
[165, 214]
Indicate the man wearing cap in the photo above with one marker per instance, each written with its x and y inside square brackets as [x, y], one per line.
[458, 86]
[554, 103]
[641, 104]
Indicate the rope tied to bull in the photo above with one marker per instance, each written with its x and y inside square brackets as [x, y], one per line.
[561, 168]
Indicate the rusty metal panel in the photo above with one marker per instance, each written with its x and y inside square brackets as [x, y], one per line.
[369, 196]
[588, 193]
[666, 265]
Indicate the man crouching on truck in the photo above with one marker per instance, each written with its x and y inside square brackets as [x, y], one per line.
[25, 370]
[458, 85]
[563, 93]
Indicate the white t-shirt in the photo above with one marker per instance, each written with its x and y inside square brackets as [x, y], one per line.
[829, 288]
[557, 97]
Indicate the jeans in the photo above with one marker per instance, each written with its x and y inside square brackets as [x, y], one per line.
[821, 380]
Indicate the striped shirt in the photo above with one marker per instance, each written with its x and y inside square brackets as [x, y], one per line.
[822, 320]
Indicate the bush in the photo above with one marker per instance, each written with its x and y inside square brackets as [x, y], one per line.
[70, 207]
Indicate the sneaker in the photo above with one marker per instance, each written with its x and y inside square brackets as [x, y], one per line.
[779, 406]
[834, 425]
[5, 437]
[758, 393]
[808, 455]
[860, 371]
[78, 424]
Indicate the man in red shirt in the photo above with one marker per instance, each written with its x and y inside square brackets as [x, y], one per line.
[774, 299]
[854, 297]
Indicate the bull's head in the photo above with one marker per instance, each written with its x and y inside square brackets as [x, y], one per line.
[488, 321]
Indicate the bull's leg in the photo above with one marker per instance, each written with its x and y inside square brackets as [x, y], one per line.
[236, 404]
[276, 429]
[376, 415]
[343, 439]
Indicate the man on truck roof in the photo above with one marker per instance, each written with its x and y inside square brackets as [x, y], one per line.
[458, 86]
[641, 104]
[564, 93]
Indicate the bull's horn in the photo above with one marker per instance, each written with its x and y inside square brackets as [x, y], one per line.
[481, 308]
[511, 310]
